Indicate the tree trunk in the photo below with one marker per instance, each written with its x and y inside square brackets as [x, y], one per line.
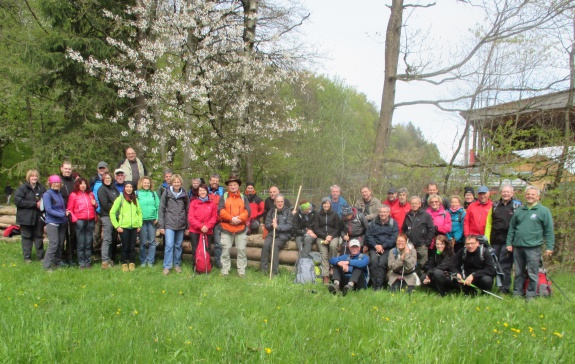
[392, 48]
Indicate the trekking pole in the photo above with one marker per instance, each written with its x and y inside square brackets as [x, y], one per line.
[552, 281]
[484, 291]
[273, 244]
[402, 272]
[297, 200]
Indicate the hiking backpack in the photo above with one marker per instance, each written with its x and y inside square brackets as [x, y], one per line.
[305, 271]
[544, 288]
[203, 261]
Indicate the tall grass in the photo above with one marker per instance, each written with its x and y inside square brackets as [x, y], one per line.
[110, 316]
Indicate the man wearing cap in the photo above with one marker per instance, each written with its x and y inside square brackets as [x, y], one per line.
[476, 216]
[337, 200]
[368, 205]
[399, 210]
[381, 236]
[132, 166]
[349, 270]
[95, 184]
[391, 199]
[278, 221]
[234, 212]
[433, 190]
[353, 226]
[119, 179]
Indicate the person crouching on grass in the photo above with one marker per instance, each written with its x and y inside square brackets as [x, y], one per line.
[401, 266]
[355, 264]
[126, 216]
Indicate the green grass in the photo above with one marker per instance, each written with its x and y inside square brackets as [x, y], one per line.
[110, 316]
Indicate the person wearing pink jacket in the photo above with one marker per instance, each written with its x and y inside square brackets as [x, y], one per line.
[82, 206]
[202, 218]
[441, 217]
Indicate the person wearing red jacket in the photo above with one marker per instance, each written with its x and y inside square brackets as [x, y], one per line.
[476, 216]
[391, 199]
[256, 206]
[202, 218]
[82, 206]
[401, 208]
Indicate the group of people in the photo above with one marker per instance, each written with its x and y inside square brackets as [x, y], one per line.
[402, 241]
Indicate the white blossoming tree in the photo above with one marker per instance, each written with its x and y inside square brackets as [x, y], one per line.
[203, 81]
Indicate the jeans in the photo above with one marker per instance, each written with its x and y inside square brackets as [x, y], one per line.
[218, 244]
[108, 237]
[147, 242]
[526, 259]
[56, 234]
[33, 235]
[128, 237]
[173, 249]
[85, 234]
[378, 268]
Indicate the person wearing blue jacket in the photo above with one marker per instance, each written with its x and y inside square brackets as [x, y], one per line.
[349, 270]
[457, 215]
[56, 222]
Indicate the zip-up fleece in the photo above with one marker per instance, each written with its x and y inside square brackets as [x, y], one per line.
[234, 205]
[130, 216]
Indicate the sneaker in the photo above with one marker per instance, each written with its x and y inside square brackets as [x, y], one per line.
[333, 289]
[178, 269]
[347, 288]
[105, 265]
[242, 275]
[166, 271]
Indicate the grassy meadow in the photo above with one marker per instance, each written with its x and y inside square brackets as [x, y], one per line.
[95, 316]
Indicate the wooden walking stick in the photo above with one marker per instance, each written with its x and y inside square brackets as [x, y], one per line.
[273, 243]
[297, 200]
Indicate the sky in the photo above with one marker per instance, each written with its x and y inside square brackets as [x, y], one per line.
[350, 35]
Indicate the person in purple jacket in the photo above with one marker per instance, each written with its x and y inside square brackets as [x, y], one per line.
[56, 222]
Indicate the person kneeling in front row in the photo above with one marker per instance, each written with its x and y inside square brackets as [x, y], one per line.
[349, 270]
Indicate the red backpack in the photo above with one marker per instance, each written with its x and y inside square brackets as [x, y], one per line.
[203, 259]
[543, 285]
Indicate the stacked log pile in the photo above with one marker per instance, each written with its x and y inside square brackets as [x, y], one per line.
[7, 218]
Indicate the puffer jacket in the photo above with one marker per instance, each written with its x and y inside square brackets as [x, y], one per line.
[106, 196]
[419, 228]
[285, 222]
[234, 205]
[202, 213]
[80, 204]
[25, 198]
[129, 214]
[173, 212]
[55, 207]
[149, 203]
[441, 219]
[327, 223]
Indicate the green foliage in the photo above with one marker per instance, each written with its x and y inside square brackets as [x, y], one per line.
[71, 316]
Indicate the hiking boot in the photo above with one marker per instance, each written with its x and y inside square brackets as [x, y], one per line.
[347, 288]
[27, 261]
[242, 275]
[132, 267]
[326, 280]
[124, 267]
[166, 271]
[333, 289]
[105, 265]
[178, 269]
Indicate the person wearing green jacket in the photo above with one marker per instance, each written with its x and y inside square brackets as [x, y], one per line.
[530, 227]
[149, 203]
[126, 216]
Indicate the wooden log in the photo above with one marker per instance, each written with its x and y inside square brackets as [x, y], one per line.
[8, 210]
[251, 263]
[8, 219]
[4, 225]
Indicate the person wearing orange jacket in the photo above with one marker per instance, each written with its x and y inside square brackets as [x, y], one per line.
[476, 216]
[234, 212]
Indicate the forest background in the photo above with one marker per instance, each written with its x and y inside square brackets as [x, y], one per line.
[229, 86]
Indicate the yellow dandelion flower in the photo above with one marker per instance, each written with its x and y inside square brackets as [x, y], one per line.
[188, 342]
[352, 354]
[533, 335]
[495, 331]
[505, 324]
[278, 307]
[514, 335]
[163, 291]
[541, 316]
[266, 321]
[268, 351]
[387, 319]
[487, 308]
[498, 341]
[218, 348]
[544, 329]
[189, 327]
[135, 312]
[530, 329]
[181, 293]
[477, 309]
[343, 308]
[336, 330]
[558, 334]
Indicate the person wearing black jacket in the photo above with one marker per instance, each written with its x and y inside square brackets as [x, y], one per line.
[419, 228]
[27, 200]
[303, 222]
[279, 221]
[443, 250]
[381, 236]
[471, 265]
[327, 227]
[107, 194]
[66, 189]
